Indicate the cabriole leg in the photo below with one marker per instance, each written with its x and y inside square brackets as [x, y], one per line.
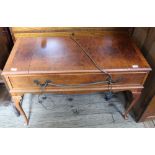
[16, 101]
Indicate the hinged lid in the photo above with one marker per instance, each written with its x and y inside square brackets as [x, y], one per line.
[112, 52]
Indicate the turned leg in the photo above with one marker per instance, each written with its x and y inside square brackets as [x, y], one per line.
[16, 101]
[136, 96]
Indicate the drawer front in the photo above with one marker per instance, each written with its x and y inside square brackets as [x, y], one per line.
[22, 82]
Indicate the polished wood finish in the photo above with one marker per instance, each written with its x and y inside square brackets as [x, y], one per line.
[61, 55]
[18, 32]
[27, 81]
[60, 60]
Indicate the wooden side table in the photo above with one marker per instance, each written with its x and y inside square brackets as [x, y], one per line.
[58, 65]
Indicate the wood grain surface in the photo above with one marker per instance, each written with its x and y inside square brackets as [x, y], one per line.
[18, 32]
[61, 54]
[60, 59]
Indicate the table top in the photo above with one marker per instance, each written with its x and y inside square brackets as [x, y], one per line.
[112, 52]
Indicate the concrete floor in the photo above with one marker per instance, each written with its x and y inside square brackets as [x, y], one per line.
[67, 111]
